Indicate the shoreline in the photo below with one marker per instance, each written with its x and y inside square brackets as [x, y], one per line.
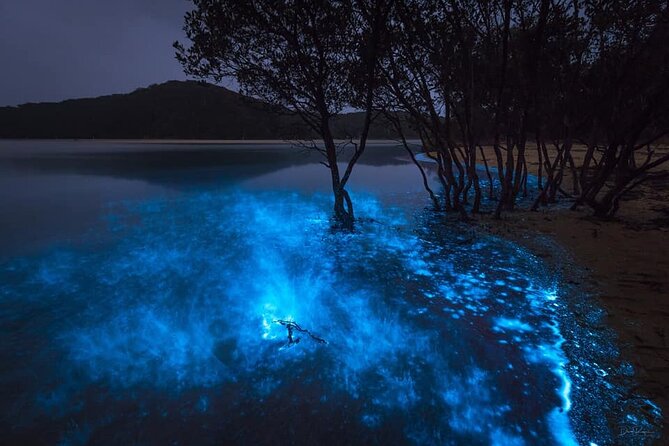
[625, 267]
[624, 262]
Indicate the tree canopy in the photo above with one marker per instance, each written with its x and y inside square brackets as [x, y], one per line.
[515, 75]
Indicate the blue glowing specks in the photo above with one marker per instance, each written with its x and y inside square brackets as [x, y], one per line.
[502, 324]
[443, 340]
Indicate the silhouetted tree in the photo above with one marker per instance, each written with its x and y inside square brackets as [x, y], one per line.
[416, 78]
[460, 73]
[552, 71]
[624, 100]
[301, 55]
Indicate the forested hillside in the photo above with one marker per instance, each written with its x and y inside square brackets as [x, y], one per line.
[175, 109]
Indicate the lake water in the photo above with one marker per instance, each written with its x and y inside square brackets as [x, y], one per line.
[142, 285]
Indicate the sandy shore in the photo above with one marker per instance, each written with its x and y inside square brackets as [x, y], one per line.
[628, 261]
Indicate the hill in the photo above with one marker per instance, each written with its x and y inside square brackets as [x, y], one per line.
[172, 110]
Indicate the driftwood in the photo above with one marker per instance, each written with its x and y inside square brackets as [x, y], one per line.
[293, 326]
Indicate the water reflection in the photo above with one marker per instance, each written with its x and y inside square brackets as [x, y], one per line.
[52, 191]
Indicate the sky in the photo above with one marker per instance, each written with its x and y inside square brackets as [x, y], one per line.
[51, 50]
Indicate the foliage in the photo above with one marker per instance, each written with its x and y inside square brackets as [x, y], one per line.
[312, 57]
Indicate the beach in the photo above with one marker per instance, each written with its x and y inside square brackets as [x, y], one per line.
[626, 261]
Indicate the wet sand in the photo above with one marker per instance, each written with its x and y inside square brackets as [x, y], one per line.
[627, 259]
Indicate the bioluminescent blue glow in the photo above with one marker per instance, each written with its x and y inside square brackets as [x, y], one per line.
[171, 326]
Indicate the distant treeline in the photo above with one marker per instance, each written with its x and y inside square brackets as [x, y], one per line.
[173, 110]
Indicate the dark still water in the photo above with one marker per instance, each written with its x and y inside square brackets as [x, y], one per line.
[148, 292]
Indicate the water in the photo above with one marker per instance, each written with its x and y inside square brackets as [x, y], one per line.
[141, 288]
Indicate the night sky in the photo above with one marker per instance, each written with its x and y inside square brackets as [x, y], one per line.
[54, 50]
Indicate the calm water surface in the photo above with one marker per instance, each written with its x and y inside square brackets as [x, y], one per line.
[141, 288]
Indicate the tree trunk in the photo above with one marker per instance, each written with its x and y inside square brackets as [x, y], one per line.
[343, 208]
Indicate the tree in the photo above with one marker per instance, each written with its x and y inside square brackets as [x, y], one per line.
[310, 57]
[460, 72]
[626, 98]
[416, 80]
[510, 71]
[612, 95]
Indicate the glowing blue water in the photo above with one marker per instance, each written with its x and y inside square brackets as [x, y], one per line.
[166, 333]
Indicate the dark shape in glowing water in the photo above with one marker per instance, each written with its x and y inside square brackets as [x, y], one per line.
[168, 333]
